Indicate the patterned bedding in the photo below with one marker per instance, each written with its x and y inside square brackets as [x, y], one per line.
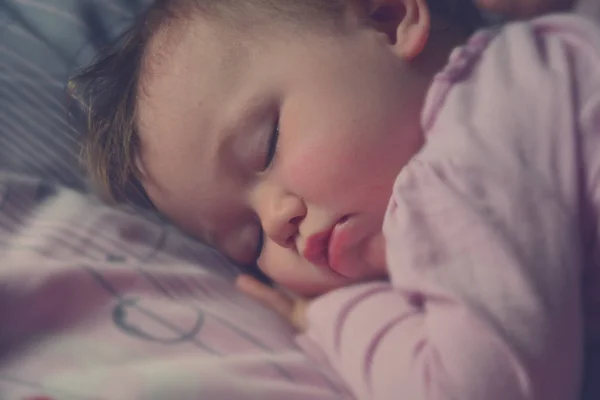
[99, 303]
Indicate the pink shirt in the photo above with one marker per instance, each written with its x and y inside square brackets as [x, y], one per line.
[490, 229]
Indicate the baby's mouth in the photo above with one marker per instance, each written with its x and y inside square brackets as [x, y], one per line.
[324, 249]
[317, 248]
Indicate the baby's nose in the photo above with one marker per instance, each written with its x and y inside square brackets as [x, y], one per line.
[280, 212]
[283, 230]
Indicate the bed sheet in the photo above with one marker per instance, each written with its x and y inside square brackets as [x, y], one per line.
[100, 303]
[43, 43]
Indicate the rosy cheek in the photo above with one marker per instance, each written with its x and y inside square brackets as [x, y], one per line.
[316, 151]
[315, 172]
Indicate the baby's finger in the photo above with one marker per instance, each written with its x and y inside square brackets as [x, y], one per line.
[269, 297]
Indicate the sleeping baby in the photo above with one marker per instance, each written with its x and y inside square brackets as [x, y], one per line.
[423, 193]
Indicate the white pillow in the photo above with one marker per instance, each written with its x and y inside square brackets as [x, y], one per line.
[98, 303]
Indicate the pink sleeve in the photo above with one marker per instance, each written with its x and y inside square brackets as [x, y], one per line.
[482, 302]
[484, 251]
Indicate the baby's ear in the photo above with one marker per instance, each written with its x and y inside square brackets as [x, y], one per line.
[405, 22]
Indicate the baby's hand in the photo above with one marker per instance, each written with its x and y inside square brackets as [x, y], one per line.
[524, 8]
[293, 309]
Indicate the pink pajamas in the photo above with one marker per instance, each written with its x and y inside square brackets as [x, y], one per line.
[489, 231]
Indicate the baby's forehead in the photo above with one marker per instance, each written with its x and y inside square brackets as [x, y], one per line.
[189, 46]
[185, 76]
[161, 47]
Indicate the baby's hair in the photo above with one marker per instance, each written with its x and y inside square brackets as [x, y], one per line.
[108, 89]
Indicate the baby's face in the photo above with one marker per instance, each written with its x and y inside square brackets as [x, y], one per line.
[346, 109]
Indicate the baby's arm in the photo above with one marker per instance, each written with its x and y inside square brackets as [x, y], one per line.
[483, 302]
[484, 239]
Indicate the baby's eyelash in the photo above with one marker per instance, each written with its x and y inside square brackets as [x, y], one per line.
[272, 146]
[261, 243]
